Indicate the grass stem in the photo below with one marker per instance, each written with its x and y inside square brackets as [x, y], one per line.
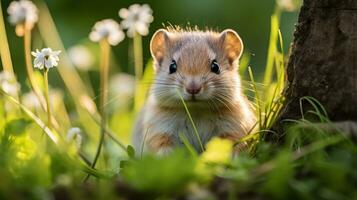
[138, 56]
[257, 97]
[191, 120]
[104, 72]
[4, 47]
[274, 30]
[48, 106]
[138, 62]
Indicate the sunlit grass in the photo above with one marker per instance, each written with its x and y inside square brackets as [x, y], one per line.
[4, 47]
[192, 122]
[104, 73]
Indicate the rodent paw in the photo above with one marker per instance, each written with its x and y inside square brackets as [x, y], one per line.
[160, 144]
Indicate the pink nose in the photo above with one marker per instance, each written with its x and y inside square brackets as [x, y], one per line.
[193, 89]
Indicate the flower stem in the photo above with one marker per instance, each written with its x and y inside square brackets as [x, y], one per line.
[4, 47]
[27, 46]
[49, 122]
[138, 62]
[104, 72]
[138, 56]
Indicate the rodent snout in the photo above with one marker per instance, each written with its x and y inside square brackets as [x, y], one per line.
[193, 88]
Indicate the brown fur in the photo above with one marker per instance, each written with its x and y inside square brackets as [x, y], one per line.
[218, 109]
[159, 141]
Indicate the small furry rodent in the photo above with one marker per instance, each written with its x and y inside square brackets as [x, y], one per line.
[202, 67]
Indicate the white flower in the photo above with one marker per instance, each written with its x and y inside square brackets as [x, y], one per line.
[46, 58]
[122, 84]
[30, 100]
[136, 19]
[288, 5]
[107, 29]
[121, 90]
[23, 12]
[81, 57]
[9, 84]
[74, 134]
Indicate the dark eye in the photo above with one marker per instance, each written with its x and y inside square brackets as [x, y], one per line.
[173, 67]
[215, 67]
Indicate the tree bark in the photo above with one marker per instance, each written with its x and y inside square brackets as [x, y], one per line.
[323, 61]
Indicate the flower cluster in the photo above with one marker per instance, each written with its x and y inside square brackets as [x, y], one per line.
[46, 58]
[136, 19]
[23, 14]
[107, 29]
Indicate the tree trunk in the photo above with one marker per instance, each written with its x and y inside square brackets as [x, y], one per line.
[323, 61]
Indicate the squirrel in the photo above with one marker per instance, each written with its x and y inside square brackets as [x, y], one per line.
[199, 67]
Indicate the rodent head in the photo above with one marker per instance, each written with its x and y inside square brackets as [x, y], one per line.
[201, 66]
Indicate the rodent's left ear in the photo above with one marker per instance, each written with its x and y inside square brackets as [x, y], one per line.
[231, 44]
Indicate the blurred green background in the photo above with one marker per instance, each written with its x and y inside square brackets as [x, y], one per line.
[75, 18]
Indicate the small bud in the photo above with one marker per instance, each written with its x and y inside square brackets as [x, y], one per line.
[23, 14]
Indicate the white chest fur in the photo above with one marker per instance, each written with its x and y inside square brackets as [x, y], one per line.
[207, 124]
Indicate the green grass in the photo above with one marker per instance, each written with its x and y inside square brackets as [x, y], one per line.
[36, 162]
[192, 122]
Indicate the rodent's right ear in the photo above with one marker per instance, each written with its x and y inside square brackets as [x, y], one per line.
[158, 45]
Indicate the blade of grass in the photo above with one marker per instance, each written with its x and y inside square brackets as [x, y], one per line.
[52, 135]
[281, 42]
[317, 146]
[104, 72]
[253, 136]
[244, 63]
[304, 151]
[315, 104]
[4, 46]
[191, 120]
[274, 105]
[274, 27]
[187, 144]
[257, 98]
[95, 173]
[138, 63]
[143, 144]
[315, 101]
[276, 111]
